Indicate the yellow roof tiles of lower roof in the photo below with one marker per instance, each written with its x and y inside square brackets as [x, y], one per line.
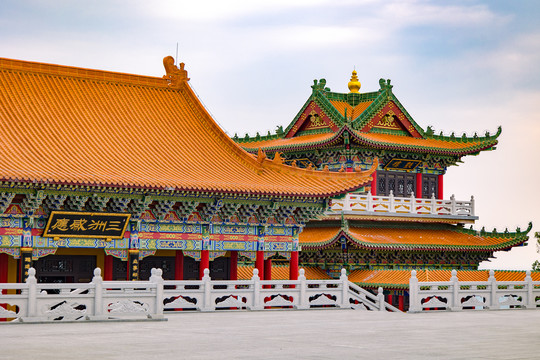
[408, 141]
[74, 126]
[298, 140]
[396, 236]
[400, 278]
[404, 239]
[281, 272]
[373, 139]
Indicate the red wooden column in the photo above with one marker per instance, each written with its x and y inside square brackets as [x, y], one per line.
[401, 303]
[4, 258]
[293, 267]
[259, 263]
[259, 260]
[179, 265]
[418, 193]
[4, 273]
[268, 269]
[205, 263]
[234, 265]
[108, 271]
[389, 299]
[440, 194]
[374, 184]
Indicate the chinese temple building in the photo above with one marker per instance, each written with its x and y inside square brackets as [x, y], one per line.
[401, 222]
[128, 172]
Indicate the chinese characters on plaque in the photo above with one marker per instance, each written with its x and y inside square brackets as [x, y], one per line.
[402, 164]
[82, 224]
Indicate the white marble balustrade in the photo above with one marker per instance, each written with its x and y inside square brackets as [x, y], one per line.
[112, 300]
[458, 295]
[368, 203]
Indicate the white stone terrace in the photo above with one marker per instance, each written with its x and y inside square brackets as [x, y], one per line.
[370, 205]
[310, 334]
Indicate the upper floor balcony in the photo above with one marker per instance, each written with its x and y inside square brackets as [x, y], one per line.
[407, 207]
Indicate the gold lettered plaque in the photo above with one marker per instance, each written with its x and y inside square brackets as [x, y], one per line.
[86, 225]
[402, 164]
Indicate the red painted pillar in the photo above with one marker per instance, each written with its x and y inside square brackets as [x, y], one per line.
[440, 194]
[4, 258]
[374, 184]
[108, 271]
[259, 263]
[4, 273]
[268, 269]
[418, 193]
[401, 303]
[234, 265]
[293, 267]
[205, 263]
[179, 265]
[389, 299]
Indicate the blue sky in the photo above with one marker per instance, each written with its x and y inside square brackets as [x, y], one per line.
[462, 66]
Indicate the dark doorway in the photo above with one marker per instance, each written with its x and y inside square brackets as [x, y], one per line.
[65, 268]
[165, 263]
[220, 268]
[429, 185]
[191, 269]
[119, 269]
[402, 184]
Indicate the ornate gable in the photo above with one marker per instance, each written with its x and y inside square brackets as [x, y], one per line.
[390, 117]
[312, 118]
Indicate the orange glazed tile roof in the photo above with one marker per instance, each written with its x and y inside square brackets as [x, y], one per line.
[73, 126]
[408, 239]
[286, 142]
[429, 143]
[281, 272]
[372, 139]
[400, 278]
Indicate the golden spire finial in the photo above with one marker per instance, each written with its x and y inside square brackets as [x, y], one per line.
[354, 84]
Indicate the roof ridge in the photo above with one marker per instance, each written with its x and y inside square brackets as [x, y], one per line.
[80, 72]
[430, 134]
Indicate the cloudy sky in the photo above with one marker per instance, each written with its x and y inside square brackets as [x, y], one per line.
[461, 66]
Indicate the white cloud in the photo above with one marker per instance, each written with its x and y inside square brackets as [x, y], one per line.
[417, 12]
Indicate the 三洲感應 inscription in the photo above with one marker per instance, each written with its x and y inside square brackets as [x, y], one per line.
[84, 224]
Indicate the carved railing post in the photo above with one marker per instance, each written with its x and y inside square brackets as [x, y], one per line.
[344, 289]
[531, 300]
[494, 301]
[380, 299]
[453, 205]
[97, 281]
[414, 302]
[391, 199]
[303, 301]
[455, 303]
[413, 203]
[433, 204]
[157, 278]
[31, 281]
[207, 285]
[472, 205]
[369, 202]
[256, 291]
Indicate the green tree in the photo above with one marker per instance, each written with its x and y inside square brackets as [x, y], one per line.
[536, 263]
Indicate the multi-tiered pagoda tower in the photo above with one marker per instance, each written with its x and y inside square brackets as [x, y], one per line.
[401, 221]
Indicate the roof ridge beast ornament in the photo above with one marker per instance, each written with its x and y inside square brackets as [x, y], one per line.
[174, 75]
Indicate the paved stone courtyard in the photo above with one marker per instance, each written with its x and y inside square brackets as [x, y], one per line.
[315, 334]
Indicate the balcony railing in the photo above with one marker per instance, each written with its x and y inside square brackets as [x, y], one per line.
[356, 203]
